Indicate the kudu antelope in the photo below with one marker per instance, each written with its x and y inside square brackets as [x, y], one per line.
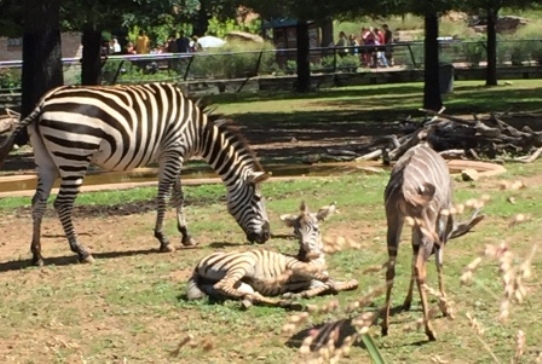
[420, 187]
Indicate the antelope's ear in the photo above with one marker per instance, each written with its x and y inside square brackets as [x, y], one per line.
[288, 219]
[326, 211]
[258, 177]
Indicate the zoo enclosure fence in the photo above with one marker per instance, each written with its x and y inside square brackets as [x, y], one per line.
[216, 65]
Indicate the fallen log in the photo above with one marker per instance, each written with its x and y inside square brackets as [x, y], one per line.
[478, 138]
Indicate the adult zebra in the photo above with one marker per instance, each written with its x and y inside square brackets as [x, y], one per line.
[119, 128]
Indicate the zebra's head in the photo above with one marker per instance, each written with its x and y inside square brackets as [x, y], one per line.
[307, 230]
[248, 208]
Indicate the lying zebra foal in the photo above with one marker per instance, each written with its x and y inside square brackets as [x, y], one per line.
[253, 276]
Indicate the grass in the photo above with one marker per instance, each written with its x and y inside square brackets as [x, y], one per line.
[128, 306]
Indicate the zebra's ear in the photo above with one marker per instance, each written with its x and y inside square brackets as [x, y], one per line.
[288, 219]
[258, 177]
[326, 211]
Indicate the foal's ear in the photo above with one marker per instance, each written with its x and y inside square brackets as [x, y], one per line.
[13, 114]
[326, 211]
[288, 219]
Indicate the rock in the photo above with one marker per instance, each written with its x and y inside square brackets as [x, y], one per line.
[469, 174]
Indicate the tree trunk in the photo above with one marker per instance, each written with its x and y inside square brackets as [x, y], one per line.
[42, 54]
[431, 91]
[327, 32]
[303, 53]
[491, 69]
[201, 23]
[91, 64]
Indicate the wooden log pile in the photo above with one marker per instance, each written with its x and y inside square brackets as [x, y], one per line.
[487, 138]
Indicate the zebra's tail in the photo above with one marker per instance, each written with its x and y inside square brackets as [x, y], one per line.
[7, 145]
[422, 196]
[193, 290]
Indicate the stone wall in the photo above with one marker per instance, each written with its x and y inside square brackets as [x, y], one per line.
[11, 49]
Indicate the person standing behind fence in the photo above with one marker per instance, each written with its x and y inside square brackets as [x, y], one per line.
[353, 42]
[142, 43]
[388, 39]
[380, 58]
[171, 45]
[342, 44]
[183, 43]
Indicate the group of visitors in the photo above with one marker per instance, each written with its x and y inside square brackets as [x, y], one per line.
[142, 45]
[374, 46]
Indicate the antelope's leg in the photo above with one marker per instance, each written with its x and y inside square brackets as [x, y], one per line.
[421, 273]
[444, 226]
[439, 262]
[416, 241]
[395, 226]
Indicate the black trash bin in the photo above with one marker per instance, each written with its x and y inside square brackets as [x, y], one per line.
[446, 78]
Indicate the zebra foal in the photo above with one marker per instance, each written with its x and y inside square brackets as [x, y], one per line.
[420, 187]
[119, 128]
[255, 275]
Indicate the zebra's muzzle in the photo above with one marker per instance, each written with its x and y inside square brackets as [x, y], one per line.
[261, 236]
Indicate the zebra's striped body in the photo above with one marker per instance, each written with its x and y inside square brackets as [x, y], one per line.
[420, 187]
[119, 128]
[255, 275]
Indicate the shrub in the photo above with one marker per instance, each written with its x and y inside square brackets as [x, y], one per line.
[348, 63]
[537, 52]
[233, 60]
[520, 52]
[10, 78]
[475, 52]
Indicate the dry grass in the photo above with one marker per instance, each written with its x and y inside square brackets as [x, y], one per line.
[326, 345]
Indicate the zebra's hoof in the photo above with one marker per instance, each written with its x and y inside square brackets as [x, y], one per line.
[431, 335]
[167, 248]
[37, 262]
[88, 259]
[294, 306]
[188, 241]
[353, 284]
[246, 304]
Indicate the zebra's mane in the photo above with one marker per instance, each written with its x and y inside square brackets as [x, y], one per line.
[229, 129]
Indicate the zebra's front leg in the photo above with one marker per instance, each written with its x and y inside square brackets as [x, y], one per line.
[318, 288]
[177, 201]
[69, 188]
[311, 271]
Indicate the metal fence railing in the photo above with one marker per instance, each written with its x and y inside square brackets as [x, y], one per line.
[214, 64]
